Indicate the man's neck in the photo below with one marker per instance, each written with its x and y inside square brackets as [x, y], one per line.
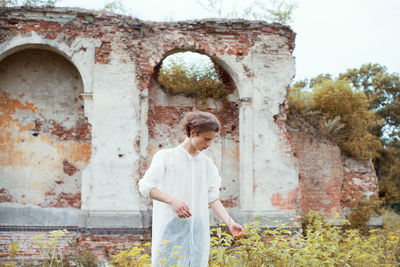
[187, 144]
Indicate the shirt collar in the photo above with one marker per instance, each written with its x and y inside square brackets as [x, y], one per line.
[181, 148]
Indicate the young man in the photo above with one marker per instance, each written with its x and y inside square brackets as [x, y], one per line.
[185, 183]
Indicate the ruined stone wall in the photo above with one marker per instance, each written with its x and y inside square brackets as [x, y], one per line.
[329, 182]
[102, 242]
[117, 58]
[45, 139]
[81, 115]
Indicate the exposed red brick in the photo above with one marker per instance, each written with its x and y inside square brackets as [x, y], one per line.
[63, 200]
[359, 180]
[231, 202]
[5, 196]
[69, 168]
[329, 181]
[103, 246]
[285, 201]
[81, 132]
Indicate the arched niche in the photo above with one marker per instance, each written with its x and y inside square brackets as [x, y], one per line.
[45, 138]
[165, 112]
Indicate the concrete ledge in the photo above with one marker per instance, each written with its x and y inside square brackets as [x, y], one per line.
[32, 215]
[115, 219]
[17, 214]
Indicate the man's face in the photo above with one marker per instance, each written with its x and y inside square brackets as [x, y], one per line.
[203, 140]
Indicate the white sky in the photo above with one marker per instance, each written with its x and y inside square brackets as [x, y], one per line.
[332, 35]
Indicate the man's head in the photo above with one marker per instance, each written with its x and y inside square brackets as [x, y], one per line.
[201, 127]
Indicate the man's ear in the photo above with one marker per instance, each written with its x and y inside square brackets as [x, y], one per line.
[192, 133]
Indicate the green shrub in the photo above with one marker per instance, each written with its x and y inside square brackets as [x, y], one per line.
[202, 83]
[135, 255]
[363, 211]
[324, 244]
[334, 110]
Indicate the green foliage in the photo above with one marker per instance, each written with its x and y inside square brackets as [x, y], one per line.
[391, 220]
[383, 90]
[198, 81]
[80, 257]
[32, 3]
[389, 167]
[136, 255]
[311, 221]
[363, 211]
[53, 256]
[14, 247]
[48, 248]
[336, 111]
[336, 99]
[279, 11]
[361, 111]
[324, 244]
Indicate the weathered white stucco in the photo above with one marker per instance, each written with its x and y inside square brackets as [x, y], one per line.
[115, 94]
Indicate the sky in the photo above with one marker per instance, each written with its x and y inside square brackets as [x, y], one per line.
[331, 35]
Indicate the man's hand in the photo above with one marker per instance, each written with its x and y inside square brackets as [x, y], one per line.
[180, 208]
[236, 230]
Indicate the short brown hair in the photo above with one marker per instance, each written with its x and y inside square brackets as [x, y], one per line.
[200, 122]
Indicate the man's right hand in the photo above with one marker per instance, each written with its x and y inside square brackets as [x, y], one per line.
[180, 208]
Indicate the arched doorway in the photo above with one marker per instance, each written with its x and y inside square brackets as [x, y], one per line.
[166, 109]
[45, 139]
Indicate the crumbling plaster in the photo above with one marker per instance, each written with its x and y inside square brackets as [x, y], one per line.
[117, 56]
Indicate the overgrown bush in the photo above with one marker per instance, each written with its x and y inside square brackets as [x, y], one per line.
[324, 244]
[338, 112]
[52, 254]
[136, 255]
[200, 82]
[363, 211]
[79, 257]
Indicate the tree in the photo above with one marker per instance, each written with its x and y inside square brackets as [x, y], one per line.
[279, 11]
[335, 111]
[369, 110]
[383, 90]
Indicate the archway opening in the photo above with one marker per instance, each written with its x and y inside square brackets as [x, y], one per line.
[45, 139]
[185, 81]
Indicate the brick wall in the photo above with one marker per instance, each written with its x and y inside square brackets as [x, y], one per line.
[329, 181]
[102, 242]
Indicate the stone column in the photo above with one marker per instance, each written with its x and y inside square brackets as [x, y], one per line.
[109, 196]
[246, 153]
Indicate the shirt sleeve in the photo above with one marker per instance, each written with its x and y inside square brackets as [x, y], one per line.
[214, 181]
[153, 175]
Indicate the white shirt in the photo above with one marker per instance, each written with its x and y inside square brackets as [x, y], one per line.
[195, 181]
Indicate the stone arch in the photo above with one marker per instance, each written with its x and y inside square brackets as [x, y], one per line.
[165, 112]
[45, 136]
[80, 54]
